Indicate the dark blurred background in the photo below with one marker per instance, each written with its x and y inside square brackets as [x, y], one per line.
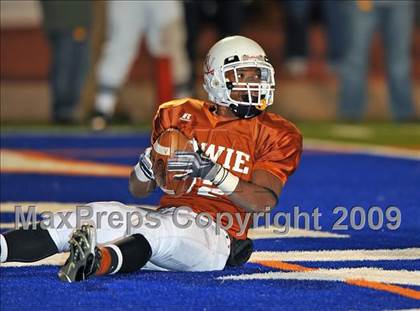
[334, 60]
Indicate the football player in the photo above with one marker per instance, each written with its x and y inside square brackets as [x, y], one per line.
[245, 156]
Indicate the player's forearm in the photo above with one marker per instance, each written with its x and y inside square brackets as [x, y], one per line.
[252, 197]
[138, 188]
[260, 194]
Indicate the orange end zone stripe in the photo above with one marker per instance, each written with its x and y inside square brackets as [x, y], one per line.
[44, 163]
[395, 289]
[284, 266]
[406, 292]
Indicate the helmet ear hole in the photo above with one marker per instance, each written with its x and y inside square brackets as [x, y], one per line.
[215, 82]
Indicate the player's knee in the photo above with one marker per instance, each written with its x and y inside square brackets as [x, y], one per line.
[240, 252]
[136, 252]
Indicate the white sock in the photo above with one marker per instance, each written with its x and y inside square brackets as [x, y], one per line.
[105, 103]
[3, 247]
[117, 250]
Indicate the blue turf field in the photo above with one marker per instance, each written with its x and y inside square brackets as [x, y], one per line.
[324, 180]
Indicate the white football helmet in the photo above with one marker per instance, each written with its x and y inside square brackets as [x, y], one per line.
[223, 78]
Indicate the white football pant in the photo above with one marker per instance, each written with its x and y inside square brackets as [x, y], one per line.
[179, 242]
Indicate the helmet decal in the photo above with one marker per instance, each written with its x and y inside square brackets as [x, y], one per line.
[262, 58]
[207, 66]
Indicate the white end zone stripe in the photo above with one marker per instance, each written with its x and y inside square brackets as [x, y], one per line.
[401, 277]
[339, 255]
[282, 232]
[9, 207]
[54, 260]
[7, 225]
[162, 150]
[292, 256]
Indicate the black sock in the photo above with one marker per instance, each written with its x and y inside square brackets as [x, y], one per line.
[136, 252]
[126, 255]
[28, 245]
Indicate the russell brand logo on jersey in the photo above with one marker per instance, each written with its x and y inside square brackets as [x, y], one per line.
[186, 117]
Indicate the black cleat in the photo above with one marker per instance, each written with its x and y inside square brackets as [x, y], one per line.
[84, 257]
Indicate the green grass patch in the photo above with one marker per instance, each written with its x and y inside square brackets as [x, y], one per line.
[378, 133]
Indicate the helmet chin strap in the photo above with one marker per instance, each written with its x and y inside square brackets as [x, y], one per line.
[247, 111]
[244, 111]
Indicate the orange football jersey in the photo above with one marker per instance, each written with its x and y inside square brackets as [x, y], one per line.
[266, 142]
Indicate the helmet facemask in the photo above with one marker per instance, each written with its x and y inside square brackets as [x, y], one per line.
[249, 87]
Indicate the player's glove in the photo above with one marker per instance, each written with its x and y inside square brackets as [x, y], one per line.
[192, 164]
[196, 164]
[143, 169]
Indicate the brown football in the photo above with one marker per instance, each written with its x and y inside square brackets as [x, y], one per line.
[164, 148]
